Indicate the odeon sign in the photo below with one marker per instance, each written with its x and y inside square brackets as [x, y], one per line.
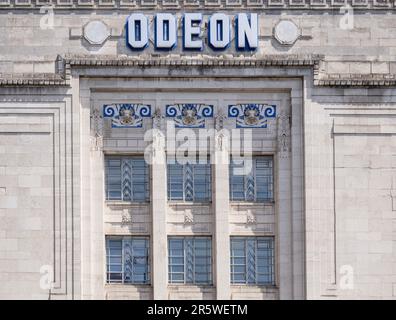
[219, 31]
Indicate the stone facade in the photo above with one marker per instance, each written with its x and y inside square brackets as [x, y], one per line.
[333, 143]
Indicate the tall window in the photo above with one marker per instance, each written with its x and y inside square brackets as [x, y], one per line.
[252, 180]
[127, 179]
[189, 182]
[190, 260]
[128, 260]
[252, 260]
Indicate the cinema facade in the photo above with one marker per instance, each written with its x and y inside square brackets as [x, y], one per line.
[284, 110]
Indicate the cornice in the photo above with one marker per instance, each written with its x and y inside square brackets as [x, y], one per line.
[198, 4]
[32, 79]
[148, 60]
[359, 80]
[67, 63]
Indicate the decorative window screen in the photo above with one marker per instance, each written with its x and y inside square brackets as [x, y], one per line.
[190, 260]
[127, 179]
[252, 180]
[252, 260]
[128, 260]
[190, 182]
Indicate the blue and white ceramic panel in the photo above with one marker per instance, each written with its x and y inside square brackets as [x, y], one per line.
[189, 115]
[251, 115]
[126, 115]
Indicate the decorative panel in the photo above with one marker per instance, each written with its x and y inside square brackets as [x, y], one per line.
[189, 115]
[251, 115]
[126, 115]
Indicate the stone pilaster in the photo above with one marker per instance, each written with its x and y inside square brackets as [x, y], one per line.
[221, 211]
[283, 203]
[158, 205]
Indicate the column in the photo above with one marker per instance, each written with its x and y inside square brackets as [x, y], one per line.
[284, 209]
[221, 211]
[159, 203]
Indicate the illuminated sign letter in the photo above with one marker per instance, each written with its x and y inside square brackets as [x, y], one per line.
[219, 31]
[246, 31]
[192, 31]
[137, 31]
[165, 31]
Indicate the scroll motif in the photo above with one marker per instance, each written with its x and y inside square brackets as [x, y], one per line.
[189, 115]
[126, 115]
[252, 115]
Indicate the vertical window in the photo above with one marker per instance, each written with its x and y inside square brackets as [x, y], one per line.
[128, 260]
[127, 179]
[252, 260]
[252, 179]
[190, 182]
[190, 260]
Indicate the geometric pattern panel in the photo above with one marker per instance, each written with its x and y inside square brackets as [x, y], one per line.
[189, 115]
[251, 115]
[126, 115]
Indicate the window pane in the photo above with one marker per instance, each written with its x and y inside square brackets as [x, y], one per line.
[264, 178]
[175, 181]
[128, 260]
[237, 181]
[202, 182]
[139, 180]
[255, 185]
[190, 260]
[127, 179]
[238, 278]
[114, 277]
[189, 182]
[252, 260]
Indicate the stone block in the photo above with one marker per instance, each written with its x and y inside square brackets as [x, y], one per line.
[380, 67]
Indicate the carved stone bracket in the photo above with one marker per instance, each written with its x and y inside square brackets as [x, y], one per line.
[188, 217]
[250, 218]
[158, 119]
[126, 217]
[284, 140]
[219, 120]
[96, 130]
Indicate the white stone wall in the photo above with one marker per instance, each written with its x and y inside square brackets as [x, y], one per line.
[333, 215]
[191, 219]
[367, 47]
[38, 242]
[349, 182]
